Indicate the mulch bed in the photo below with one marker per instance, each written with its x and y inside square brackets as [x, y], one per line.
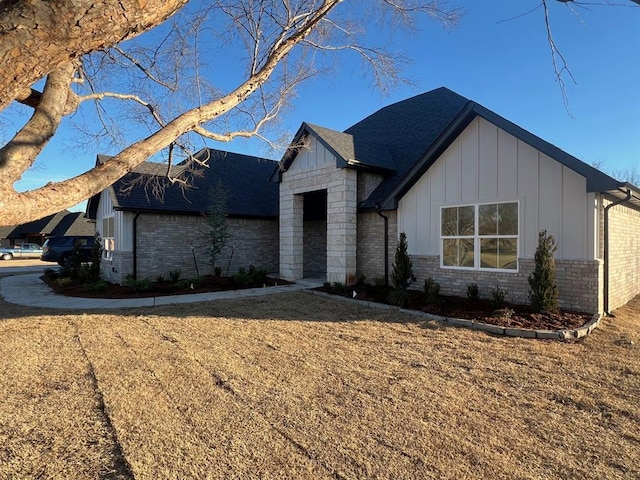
[203, 284]
[511, 315]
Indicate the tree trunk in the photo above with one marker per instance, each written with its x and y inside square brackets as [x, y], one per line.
[27, 53]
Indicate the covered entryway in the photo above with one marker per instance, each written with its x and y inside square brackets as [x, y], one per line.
[315, 234]
[315, 195]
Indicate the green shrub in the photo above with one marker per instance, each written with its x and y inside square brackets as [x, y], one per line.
[338, 288]
[183, 284]
[257, 276]
[402, 273]
[160, 279]
[51, 273]
[399, 297]
[138, 286]
[543, 292]
[64, 281]
[431, 290]
[174, 275]
[242, 278]
[96, 287]
[473, 292]
[96, 258]
[498, 297]
[379, 282]
[217, 271]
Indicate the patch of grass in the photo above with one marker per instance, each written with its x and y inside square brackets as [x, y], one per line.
[298, 386]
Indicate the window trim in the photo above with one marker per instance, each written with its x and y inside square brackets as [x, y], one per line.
[477, 238]
[107, 254]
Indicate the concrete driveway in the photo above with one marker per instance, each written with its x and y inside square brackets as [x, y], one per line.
[28, 265]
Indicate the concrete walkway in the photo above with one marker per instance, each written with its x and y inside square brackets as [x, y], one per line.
[30, 291]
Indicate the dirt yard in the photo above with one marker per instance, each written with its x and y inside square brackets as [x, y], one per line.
[298, 386]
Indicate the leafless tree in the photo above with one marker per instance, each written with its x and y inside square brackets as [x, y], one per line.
[60, 57]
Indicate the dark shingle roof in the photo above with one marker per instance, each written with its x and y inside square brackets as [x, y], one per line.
[407, 137]
[58, 224]
[246, 178]
[74, 223]
[408, 128]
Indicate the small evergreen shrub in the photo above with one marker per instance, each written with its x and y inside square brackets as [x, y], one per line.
[96, 287]
[543, 292]
[498, 297]
[160, 279]
[473, 292]
[51, 273]
[257, 276]
[431, 290]
[402, 273]
[138, 286]
[378, 282]
[338, 288]
[241, 278]
[96, 258]
[174, 275]
[399, 297]
[217, 271]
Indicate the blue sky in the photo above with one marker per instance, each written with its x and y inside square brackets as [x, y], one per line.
[502, 64]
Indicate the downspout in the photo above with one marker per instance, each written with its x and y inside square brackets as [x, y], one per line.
[386, 244]
[606, 249]
[135, 246]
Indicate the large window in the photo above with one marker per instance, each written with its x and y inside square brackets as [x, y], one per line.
[108, 237]
[483, 236]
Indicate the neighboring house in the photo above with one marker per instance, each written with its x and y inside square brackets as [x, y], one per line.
[147, 236]
[470, 189]
[60, 224]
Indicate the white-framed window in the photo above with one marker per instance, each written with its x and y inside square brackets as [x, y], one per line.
[108, 237]
[481, 236]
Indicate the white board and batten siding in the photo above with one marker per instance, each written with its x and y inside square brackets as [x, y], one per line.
[311, 157]
[486, 164]
[123, 222]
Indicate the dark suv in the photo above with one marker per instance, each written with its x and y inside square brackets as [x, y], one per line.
[60, 249]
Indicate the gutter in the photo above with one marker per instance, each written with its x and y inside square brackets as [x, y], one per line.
[606, 249]
[386, 244]
[135, 245]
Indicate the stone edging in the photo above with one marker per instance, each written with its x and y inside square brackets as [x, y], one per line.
[570, 334]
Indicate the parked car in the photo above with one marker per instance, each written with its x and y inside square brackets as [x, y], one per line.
[60, 249]
[24, 250]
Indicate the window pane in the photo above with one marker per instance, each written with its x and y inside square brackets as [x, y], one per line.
[457, 252]
[508, 218]
[508, 253]
[450, 252]
[488, 219]
[489, 253]
[466, 221]
[465, 252]
[449, 222]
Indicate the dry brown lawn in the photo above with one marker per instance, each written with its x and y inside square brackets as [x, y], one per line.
[298, 386]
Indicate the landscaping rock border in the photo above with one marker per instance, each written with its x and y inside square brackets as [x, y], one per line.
[566, 334]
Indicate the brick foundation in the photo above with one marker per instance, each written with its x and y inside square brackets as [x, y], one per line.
[577, 281]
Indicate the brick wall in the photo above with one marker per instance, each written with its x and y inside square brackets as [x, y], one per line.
[315, 248]
[164, 244]
[577, 281]
[624, 255]
[370, 252]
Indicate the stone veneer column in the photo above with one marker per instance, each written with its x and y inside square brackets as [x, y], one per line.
[291, 236]
[342, 202]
